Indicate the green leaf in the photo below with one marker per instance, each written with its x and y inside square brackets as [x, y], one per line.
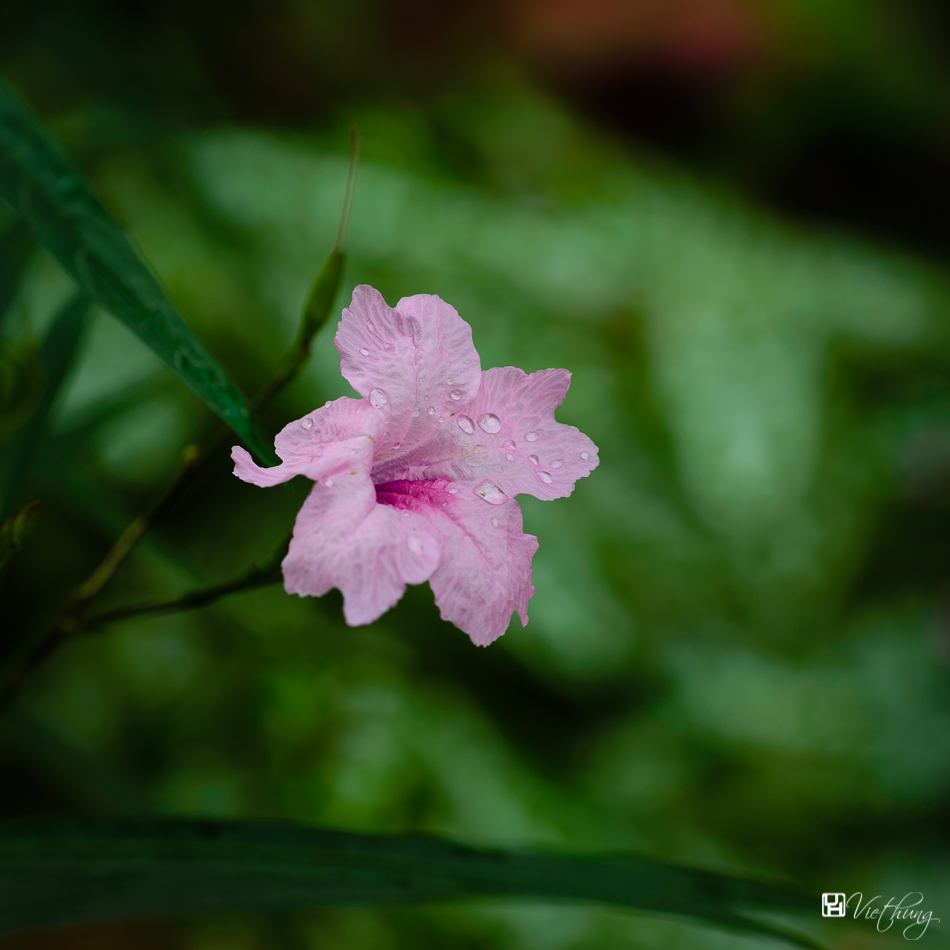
[56, 358]
[323, 294]
[40, 182]
[62, 871]
[16, 246]
[16, 529]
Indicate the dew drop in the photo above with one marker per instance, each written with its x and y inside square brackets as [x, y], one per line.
[364, 352]
[377, 398]
[466, 425]
[468, 361]
[509, 456]
[494, 522]
[448, 381]
[546, 477]
[388, 346]
[557, 463]
[441, 419]
[328, 482]
[478, 449]
[531, 436]
[415, 413]
[327, 403]
[491, 493]
[453, 491]
[508, 444]
[489, 422]
[414, 544]
[445, 504]
[405, 514]
[396, 445]
[585, 455]
[431, 410]
[534, 460]
[370, 327]
[456, 394]
[306, 422]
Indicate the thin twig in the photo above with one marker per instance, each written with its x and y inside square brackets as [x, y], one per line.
[250, 580]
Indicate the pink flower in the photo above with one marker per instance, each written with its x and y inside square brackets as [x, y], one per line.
[416, 480]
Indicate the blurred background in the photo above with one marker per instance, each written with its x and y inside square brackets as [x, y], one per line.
[729, 220]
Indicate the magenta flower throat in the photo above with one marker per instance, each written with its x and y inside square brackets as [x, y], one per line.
[417, 480]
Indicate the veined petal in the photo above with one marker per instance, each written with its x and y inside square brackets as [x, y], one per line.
[508, 435]
[415, 361]
[334, 438]
[344, 539]
[485, 571]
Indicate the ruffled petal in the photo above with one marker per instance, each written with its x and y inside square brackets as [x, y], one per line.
[331, 439]
[415, 361]
[485, 571]
[508, 437]
[344, 539]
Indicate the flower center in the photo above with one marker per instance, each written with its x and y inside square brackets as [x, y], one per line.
[410, 494]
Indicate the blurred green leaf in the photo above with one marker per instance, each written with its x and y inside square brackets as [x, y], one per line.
[16, 529]
[63, 871]
[41, 184]
[323, 294]
[56, 358]
[16, 246]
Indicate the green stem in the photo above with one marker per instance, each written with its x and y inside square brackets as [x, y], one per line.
[250, 580]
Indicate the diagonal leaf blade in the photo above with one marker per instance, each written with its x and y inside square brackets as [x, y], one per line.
[56, 358]
[16, 246]
[40, 182]
[59, 872]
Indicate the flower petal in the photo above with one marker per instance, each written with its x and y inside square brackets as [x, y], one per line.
[485, 571]
[330, 439]
[415, 361]
[344, 539]
[508, 436]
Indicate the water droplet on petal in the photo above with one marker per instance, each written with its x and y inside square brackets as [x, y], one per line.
[491, 493]
[456, 394]
[414, 544]
[494, 522]
[546, 477]
[431, 410]
[388, 346]
[490, 422]
[508, 444]
[364, 352]
[377, 398]
[327, 403]
[445, 504]
[585, 455]
[328, 482]
[441, 419]
[509, 456]
[415, 413]
[479, 449]
[453, 491]
[531, 436]
[534, 460]
[396, 445]
[306, 422]
[557, 463]
[369, 326]
[466, 425]
[468, 361]
[448, 382]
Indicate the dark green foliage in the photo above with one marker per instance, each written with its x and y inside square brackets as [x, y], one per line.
[39, 182]
[65, 872]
